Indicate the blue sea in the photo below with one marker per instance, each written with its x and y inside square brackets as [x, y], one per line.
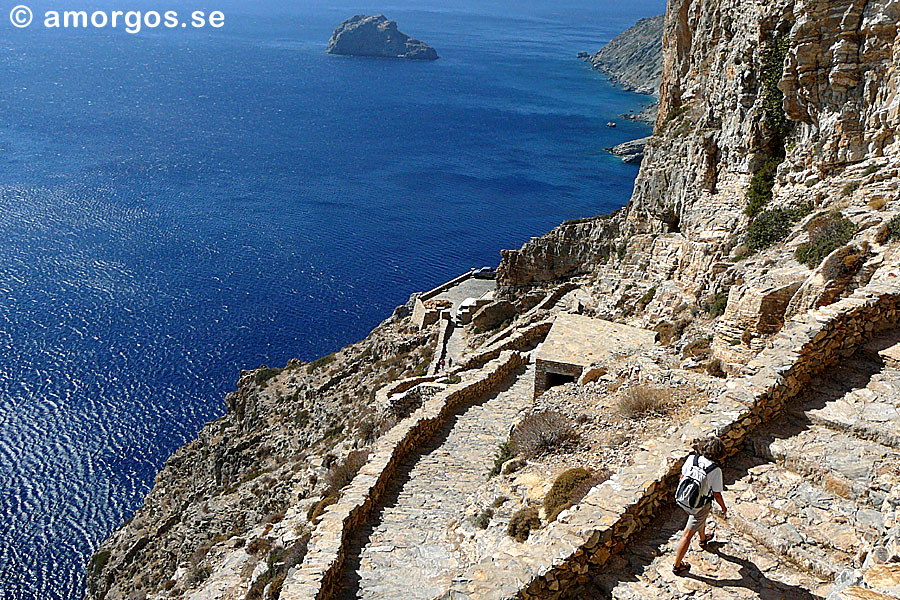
[176, 206]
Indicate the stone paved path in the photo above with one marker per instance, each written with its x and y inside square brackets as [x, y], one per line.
[804, 500]
[408, 551]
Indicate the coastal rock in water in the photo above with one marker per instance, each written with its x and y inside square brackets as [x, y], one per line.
[377, 36]
[631, 152]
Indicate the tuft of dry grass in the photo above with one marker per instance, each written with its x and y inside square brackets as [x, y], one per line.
[342, 473]
[541, 432]
[569, 488]
[642, 401]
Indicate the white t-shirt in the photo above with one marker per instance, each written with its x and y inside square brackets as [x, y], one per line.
[714, 482]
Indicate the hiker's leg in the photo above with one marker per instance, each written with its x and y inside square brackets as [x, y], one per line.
[695, 523]
[683, 545]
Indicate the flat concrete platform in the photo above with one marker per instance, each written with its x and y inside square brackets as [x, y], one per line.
[470, 288]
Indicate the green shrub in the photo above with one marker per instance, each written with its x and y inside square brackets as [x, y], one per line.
[647, 298]
[893, 229]
[720, 303]
[826, 234]
[773, 98]
[320, 362]
[759, 194]
[540, 432]
[264, 374]
[560, 497]
[454, 379]
[503, 454]
[849, 188]
[773, 226]
[523, 522]
[870, 170]
[98, 561]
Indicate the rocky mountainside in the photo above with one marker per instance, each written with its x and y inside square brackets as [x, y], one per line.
[633, 59]
[770, 187]
[379, 37]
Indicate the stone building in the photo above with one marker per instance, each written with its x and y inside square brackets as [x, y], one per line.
[577, 342]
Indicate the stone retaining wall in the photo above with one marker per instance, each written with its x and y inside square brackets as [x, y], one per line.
[558, 558]
[525, 337]
[319, 576]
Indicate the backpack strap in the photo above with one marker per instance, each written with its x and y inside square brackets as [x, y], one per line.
[712, 467]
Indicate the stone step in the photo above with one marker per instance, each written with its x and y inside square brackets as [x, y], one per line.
[841, 463]
[783, 511]
[733, 567]
[872, 412]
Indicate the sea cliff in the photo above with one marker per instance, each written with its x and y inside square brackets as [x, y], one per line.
[760, 246]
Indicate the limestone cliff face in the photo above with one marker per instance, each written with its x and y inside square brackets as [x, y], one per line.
[806, 86]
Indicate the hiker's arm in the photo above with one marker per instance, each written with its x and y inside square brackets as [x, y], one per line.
[721, 502]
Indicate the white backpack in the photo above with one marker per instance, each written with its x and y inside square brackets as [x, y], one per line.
[693, 491]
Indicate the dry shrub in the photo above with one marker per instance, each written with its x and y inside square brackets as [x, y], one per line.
[316, 510]
[484, 518]
[522, 522]
[643, 400]
[342, 473]
[540, 432]
[259, 545]
[569, 489]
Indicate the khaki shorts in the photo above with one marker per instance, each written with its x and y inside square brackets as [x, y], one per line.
[697, 520]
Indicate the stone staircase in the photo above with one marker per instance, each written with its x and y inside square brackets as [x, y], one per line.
[409, 551]
[808, 500]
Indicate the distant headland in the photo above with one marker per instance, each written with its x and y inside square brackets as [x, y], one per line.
[377, 36]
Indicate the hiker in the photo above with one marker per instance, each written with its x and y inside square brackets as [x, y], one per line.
[701, 481]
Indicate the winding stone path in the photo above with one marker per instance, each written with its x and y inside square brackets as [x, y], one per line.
[408, 551]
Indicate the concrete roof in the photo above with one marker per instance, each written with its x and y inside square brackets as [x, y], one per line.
[583, 341]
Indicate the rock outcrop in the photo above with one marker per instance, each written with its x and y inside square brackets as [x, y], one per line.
[633, 59]
[630, 152]
[377, 36]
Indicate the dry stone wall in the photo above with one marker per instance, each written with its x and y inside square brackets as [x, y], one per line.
[553, 563]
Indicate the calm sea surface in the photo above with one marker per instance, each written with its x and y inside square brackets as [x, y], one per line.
[176, 206]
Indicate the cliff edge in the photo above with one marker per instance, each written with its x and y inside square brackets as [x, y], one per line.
[377, 36]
